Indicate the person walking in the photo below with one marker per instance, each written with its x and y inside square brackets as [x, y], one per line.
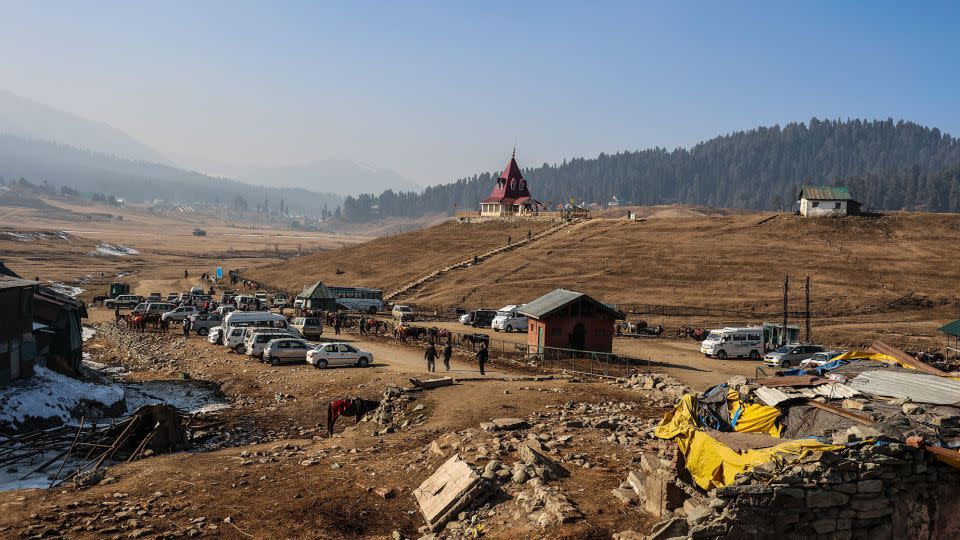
[186, 328]
[482, 357]
[447, 353]
[336, 324]
[431, 356]
[363, 326]
[185, 274]
[116, 315]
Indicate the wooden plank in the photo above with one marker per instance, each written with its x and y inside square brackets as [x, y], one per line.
[793, 380]
[865, 420]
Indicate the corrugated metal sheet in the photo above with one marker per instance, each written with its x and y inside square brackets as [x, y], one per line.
[952, 329]
[836, 391]
[824, 193]
[771, 396]
[917, 387]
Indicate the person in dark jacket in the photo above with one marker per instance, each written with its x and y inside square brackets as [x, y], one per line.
[336, 324]
[447, 353]
[482, 357]
[431, 356]
[186, 328]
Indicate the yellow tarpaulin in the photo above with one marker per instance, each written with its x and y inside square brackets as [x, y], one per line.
[876, 357]
[752, 417]
[713, 464]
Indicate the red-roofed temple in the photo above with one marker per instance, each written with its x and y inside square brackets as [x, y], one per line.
[510, 195]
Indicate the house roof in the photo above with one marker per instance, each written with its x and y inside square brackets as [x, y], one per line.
[317, 290]
[10, 282]
[510, 184]
[952, 328]
[824, 193]
[559, 298]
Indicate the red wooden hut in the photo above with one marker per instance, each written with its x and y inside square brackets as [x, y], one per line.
[569, 320]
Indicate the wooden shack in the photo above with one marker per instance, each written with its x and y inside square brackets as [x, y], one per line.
[569, 320]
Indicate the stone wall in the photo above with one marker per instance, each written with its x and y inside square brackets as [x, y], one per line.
[875, 492]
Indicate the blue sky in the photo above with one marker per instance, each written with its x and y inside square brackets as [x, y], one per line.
[438, 90]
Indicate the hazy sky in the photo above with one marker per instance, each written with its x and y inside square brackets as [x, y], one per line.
[438, 90]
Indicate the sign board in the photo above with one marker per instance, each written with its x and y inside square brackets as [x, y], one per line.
[219, 272]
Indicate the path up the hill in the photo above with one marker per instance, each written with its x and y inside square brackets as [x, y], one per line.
[435, 274]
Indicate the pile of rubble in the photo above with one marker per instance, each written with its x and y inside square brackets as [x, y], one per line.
[669, 389]
[145, 351]
[392, 414]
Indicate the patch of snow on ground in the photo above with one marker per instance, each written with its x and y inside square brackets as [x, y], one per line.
[190, 396]
[49, 394]
[11, 477]
[109, 250]
[87, 332]
[114, 372]
[36, 235]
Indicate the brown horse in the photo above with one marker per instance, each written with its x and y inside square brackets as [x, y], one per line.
[357, 407]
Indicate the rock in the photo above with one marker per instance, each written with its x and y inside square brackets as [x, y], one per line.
[864, 432]
[698, 514]
[628, 535]
[669, 528]
[533, 457]
[870, 486]
[509, 424]
[626, 496]
[853, 404]
[910, 408]
[520, 476]
[707, 530]
[385, 492]
[821, 498]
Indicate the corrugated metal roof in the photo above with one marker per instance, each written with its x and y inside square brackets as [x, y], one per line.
[771, 396]
[10, 282]
[821, 193]
[556, 299]
[917, 387]
[317, 290]
[952, 329]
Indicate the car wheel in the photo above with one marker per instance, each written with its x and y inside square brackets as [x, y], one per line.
[754, 355]
[363, 362]
[508, 329]
[273, 361]
[240, 348]
[495, 330]
[203, 331]
[785, 364]
[321, 364]
[722, 354]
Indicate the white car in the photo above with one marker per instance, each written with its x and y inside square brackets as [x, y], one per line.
[256, 342]
[216, 335]
[286, 350]
[180, 313]
[338, 354]
[509, 319]
[403, 313]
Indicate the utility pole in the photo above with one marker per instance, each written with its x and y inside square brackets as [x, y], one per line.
[808, 309]
[786, 305]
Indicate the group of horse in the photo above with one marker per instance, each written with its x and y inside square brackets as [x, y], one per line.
[689, 332]
[139, 321]
[640, 328]
[402, 332]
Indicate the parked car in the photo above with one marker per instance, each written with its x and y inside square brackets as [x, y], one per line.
[403, 313]
[180, 313]
[257, 341]
[298, 303]
[309, 327]
[173, 297]
[338, 354]
[286, 350]
[280, 300]
[124, 301]
[481, 318]
[158, 308]
[262, 297]
[203, 322]
[733, 342]
[154, 297]
[509, 319]
[819, 359]
[215, 335]
[790, 355]
[224, 310]
[197, 290]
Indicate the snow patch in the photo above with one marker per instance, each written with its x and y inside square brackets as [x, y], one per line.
[109, 250]
[87, 332]
[50, 395]
[186, 395]
[37, 235]
[64, 289]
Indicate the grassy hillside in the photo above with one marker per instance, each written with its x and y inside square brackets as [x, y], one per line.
[392, 261]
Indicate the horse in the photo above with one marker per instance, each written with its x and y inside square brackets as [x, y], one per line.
[357, 407]
[136, 321]
[475, 339]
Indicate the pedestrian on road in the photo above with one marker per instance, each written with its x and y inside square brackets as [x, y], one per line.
[447, 353]
[185, 274]
[431, 356]
[509, 240]
[116, 315]
[336, 324]
[186, 328]
[482, 357]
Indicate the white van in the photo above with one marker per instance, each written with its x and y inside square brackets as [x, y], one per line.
[253, 318]
[733, 342]
[508, 319]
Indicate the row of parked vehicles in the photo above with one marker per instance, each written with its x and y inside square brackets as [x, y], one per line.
[269, 338]
[507, 319]
[753, 342]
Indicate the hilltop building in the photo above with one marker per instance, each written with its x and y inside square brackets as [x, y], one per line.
[510, 195]
[816, 201]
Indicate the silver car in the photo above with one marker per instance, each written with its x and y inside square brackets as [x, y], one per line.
[789, 356]
[284, 350]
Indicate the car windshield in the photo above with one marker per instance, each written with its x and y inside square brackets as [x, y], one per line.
[504, 313]
[714, 336]
[785, 349]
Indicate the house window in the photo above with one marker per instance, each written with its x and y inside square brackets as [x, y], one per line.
[816, 204]
[836, 205]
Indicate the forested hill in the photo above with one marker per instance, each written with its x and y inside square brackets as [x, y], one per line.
[758, 169]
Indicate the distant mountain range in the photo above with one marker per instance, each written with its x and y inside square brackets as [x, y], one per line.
[28, 121]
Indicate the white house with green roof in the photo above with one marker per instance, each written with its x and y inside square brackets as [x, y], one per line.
[816, 201]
